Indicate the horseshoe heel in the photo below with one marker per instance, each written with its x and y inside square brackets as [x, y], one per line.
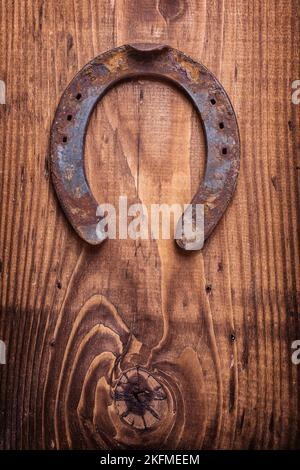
[88, 87]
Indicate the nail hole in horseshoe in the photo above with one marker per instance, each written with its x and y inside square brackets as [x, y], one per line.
[213, 101]
[78, 96]
[224, 151]
[65, 139]
[221, 125]
[69, 117]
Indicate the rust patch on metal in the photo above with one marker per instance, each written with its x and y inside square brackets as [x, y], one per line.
[88, 87]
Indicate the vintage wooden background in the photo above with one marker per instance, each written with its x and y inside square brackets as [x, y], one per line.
[216, 327]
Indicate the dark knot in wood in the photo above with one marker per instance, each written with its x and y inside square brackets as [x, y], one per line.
[140, 399]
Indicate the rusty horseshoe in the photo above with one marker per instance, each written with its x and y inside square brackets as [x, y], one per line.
[88, 87]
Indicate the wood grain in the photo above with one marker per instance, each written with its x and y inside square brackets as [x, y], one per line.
[214, 328]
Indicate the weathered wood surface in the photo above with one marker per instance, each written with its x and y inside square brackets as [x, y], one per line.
[214, 327]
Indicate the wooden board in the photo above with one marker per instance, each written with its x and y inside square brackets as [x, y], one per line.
[216, 327]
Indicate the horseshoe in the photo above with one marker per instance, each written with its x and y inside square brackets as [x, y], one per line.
[88, 87]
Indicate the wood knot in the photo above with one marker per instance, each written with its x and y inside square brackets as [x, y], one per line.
[140, 399]
[172, 10]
